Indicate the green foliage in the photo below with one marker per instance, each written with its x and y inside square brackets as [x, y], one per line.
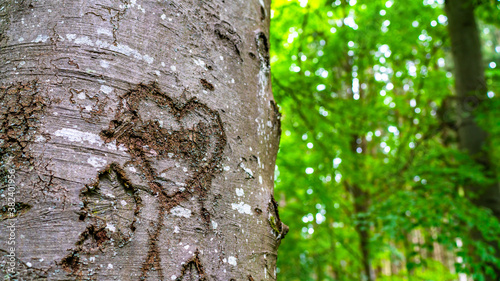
[368, 146]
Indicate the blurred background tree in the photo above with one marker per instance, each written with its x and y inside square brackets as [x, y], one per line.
[373, 176]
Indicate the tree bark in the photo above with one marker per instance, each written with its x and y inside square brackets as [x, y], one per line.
[138, 141]
[470, 86]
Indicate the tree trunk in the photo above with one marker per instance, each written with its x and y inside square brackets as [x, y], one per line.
[470, 85]
[138, 141]
[361, 203]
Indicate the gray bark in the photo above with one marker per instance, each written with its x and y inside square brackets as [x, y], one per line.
[138, 141]
[470, 85]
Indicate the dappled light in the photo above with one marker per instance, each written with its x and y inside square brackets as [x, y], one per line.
[375, 175]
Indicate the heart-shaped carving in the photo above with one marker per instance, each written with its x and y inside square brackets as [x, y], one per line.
[178, 149]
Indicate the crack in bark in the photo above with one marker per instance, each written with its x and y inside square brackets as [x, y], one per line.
[21, 107]
[226, 33]
[99, 200]
[279, 228]
[207, 85]
[192, 270]
[263, 51]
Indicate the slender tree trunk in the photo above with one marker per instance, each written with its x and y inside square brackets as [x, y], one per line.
[470, 85]
[137, 141]
[320, 268]
[363, 230]
[361, 204]
[334, 261]
[408, 259]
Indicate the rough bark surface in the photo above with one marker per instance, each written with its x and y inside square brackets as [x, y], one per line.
[470, 85]
[141, 136]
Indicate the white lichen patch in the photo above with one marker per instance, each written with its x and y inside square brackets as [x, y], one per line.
[214, 224]
[179, 211]
[78, 136]
[242, 208]
[104, 64]
[123, 202]
[176, 229]
[263, 79]
[112, 146]
[84, 40]
[126, 50]
[102, 44]
[81, 96]
[199, 62]
[247, 170]
[119, 48]
[96, 162]
[71, 36]
[106, 89]
[240, 192]
[148, 59]
[104, 31]
[173, 277]
[110, 227]
[40, 139]
[110, 266]
[232, 261]
[41, 38]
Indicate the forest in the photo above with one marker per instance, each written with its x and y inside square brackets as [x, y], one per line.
[157, 140]
[388, 162]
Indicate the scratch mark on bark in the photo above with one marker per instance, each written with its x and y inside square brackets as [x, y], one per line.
[202, 146]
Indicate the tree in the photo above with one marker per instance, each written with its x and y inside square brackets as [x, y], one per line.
[470, 86]
[137, 141]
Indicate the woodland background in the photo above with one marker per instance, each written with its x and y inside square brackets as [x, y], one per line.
[370, 177]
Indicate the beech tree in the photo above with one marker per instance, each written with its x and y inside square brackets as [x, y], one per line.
[137, 141]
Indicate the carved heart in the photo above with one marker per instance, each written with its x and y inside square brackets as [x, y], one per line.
[177, 148]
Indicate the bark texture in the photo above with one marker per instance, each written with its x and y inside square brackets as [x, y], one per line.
[141, 137]
[470, 85]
